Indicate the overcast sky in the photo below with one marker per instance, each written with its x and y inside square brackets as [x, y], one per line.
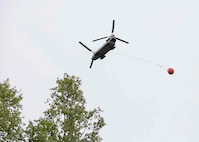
[141, 102]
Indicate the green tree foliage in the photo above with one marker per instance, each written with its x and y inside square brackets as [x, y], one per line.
[67, 119]
[10, 111]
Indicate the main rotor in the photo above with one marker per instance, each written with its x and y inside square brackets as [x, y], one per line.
[112, 31]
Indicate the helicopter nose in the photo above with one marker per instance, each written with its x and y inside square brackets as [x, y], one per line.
[94, 57]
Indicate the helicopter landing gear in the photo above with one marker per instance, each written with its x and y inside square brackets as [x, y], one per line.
[102, 57]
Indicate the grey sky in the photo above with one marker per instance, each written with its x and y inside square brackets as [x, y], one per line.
[141, 102]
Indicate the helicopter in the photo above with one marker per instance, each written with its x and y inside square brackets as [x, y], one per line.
[106, 47]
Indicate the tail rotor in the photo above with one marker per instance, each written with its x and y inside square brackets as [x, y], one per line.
[113, 27]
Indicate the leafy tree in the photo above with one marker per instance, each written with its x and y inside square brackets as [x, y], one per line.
[67, 119]
[10, 111]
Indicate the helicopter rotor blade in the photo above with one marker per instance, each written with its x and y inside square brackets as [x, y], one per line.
[85, 47]
[100, 38]
[91, 64]
[122, 40]
[113, 26]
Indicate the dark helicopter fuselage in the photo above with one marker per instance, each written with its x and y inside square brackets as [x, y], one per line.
[101, 52]
[106, 47]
